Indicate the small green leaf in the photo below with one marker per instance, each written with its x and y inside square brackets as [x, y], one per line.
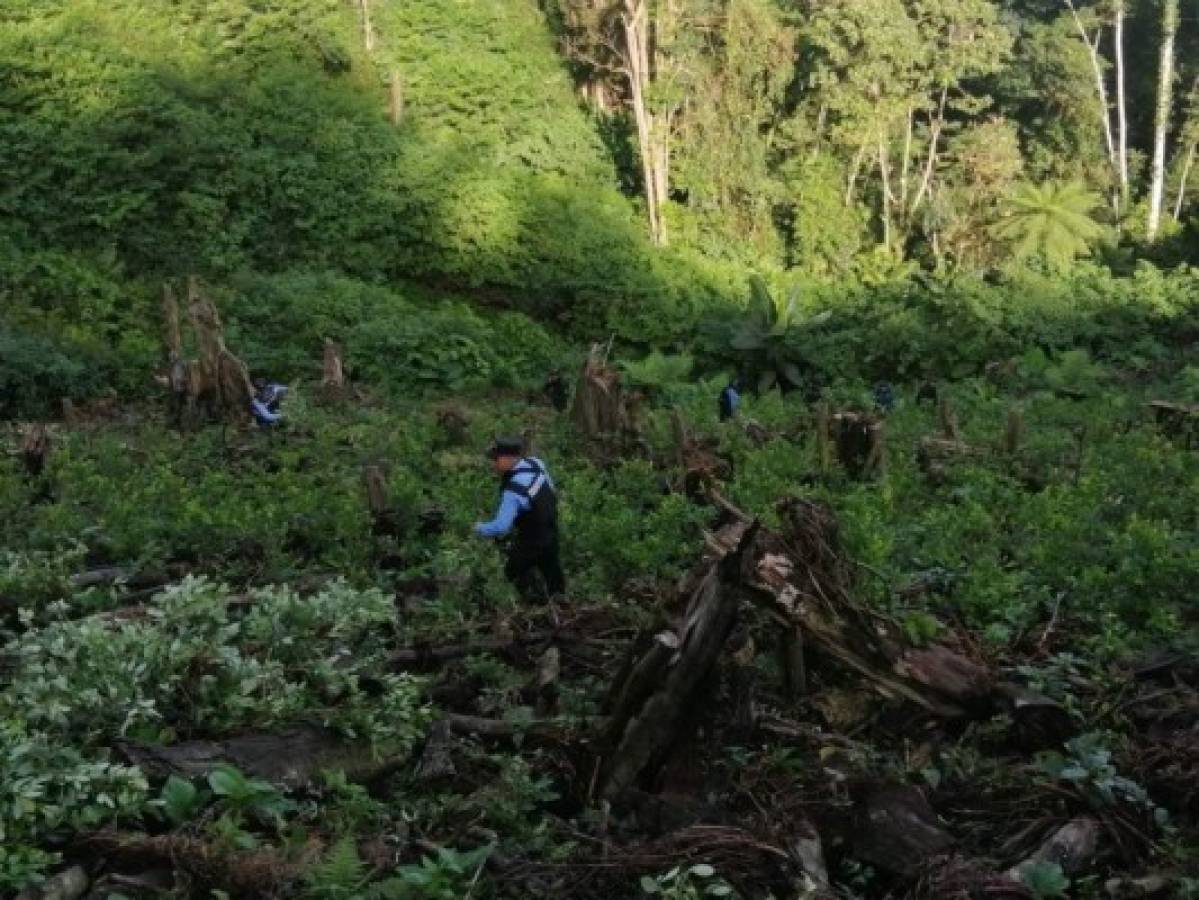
[650, 885]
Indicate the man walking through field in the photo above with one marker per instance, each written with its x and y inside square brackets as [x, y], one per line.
[528, 505]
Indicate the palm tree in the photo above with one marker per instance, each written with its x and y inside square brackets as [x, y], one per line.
[1053, 220]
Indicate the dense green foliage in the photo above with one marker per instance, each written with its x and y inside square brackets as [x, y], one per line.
[813, 197]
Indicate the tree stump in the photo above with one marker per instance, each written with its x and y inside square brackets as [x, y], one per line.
[224, 381]
[35, 449]
[333, 379]
[599, 411]
[654, 701]
[858, 438]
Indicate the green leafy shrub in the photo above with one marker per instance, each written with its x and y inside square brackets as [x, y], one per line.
[37, 372]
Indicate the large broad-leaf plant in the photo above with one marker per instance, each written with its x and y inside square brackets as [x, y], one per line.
[767, 340]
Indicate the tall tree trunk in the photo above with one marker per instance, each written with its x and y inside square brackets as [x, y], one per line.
[1182, 183]
[395, 97]
[1092, 46]
[1121, 106]
[1165, 85]
[635, 25]
[936, 126]
[884, 170]
[368, 33]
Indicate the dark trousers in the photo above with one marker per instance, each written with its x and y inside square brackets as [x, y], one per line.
[525, 561]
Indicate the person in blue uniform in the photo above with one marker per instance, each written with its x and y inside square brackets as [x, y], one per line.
[529, 507]
[266, 401]
[730, 400]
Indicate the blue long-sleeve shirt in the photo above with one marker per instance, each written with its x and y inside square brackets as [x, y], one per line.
[513, 504]
[262, 414]
[262, 402]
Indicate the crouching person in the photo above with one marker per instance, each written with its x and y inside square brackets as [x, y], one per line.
[266, 402]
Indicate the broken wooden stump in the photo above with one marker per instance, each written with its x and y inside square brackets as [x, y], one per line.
[216, 385]
[437, 761]
[858, 439]
[698, 458]
[333, 377]
[35, 449]
[599, 411]
[947, 418]
[660, 688]
[1013, 431]
[224, 381]
[897, 831]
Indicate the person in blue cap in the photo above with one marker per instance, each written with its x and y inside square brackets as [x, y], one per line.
[528, 506]
[730, 399]
[266, 401]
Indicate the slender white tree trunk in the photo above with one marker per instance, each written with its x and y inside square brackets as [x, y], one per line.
[1182, 183]
[884, 169]
[1165, 85]
[1121, 107]
[635, 24]
[368, 33]
[1100, 84]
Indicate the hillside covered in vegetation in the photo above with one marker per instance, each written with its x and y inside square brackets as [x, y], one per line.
[918, 620]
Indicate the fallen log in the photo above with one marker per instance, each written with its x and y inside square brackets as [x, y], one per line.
[428, 655]
[503, 728]
[251, 874]
[291, 758]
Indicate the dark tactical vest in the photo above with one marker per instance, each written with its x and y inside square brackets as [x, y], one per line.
[538, 525]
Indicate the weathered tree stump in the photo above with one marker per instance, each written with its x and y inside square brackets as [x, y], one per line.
[858, 438]
[599, 411]
[454, 422]
[216, 385]
[333, 379]
[656, 697]
[35, 449]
